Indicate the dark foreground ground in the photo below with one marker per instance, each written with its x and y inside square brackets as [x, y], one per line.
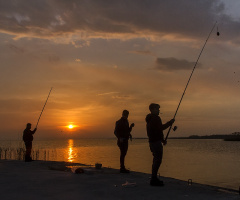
[48, 180]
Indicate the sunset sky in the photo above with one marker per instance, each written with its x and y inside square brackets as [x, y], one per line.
[104, 56]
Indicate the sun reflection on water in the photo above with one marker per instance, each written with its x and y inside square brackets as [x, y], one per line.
[71, 154]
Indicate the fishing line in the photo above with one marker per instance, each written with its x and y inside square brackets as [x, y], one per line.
[44, 107]
[191, 76]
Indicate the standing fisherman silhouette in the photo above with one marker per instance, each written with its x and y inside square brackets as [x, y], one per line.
[28, 138]
[156, 139]
[123, 133]
[28, 134]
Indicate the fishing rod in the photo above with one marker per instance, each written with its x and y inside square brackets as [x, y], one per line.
[190, 78]
[44, 107]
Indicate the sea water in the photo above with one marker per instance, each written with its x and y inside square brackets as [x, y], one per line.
[212, 162]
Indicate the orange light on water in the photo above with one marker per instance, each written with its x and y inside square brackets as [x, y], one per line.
[70, 151]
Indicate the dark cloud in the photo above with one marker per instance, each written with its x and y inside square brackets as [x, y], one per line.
[15, 49]
[51, 18]
[169, 64]
[141, 52]
[124, 97]
[19, 105]
[53, 58]
[27, 106]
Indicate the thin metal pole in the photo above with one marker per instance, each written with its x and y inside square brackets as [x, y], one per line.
[190, 78]
[43, 107]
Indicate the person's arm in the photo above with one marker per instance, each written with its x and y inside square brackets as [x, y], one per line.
[34, 130]
[131, 126]
[169, 123]
[130, 129]
[116, 130]
[130, 136]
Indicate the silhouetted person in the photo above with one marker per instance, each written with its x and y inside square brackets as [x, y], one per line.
[28, 138]
[123, 133]
[156, 139]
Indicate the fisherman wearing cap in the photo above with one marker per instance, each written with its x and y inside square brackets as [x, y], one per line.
[28, 138]
[123, 133]
[156, 139]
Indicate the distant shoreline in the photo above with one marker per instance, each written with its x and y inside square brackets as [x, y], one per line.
[195, 137]
[227, 137]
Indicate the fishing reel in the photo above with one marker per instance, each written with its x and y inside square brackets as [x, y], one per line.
[174, 128]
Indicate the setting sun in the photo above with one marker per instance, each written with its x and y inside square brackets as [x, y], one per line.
[70, 126]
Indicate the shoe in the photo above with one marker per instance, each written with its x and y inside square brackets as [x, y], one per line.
[156, 182]
[28, 159]
[124, 170]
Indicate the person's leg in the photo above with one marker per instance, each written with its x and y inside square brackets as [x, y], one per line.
[123, 146]
[28, 151]
[157, 151]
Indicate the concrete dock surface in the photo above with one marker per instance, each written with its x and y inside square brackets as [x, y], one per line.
[43, 180]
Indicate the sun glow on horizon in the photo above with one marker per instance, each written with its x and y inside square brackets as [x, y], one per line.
[70, 126]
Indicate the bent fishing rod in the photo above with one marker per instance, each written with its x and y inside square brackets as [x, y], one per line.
[43, 107]
[190, 78]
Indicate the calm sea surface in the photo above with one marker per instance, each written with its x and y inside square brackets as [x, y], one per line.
[212, 162]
